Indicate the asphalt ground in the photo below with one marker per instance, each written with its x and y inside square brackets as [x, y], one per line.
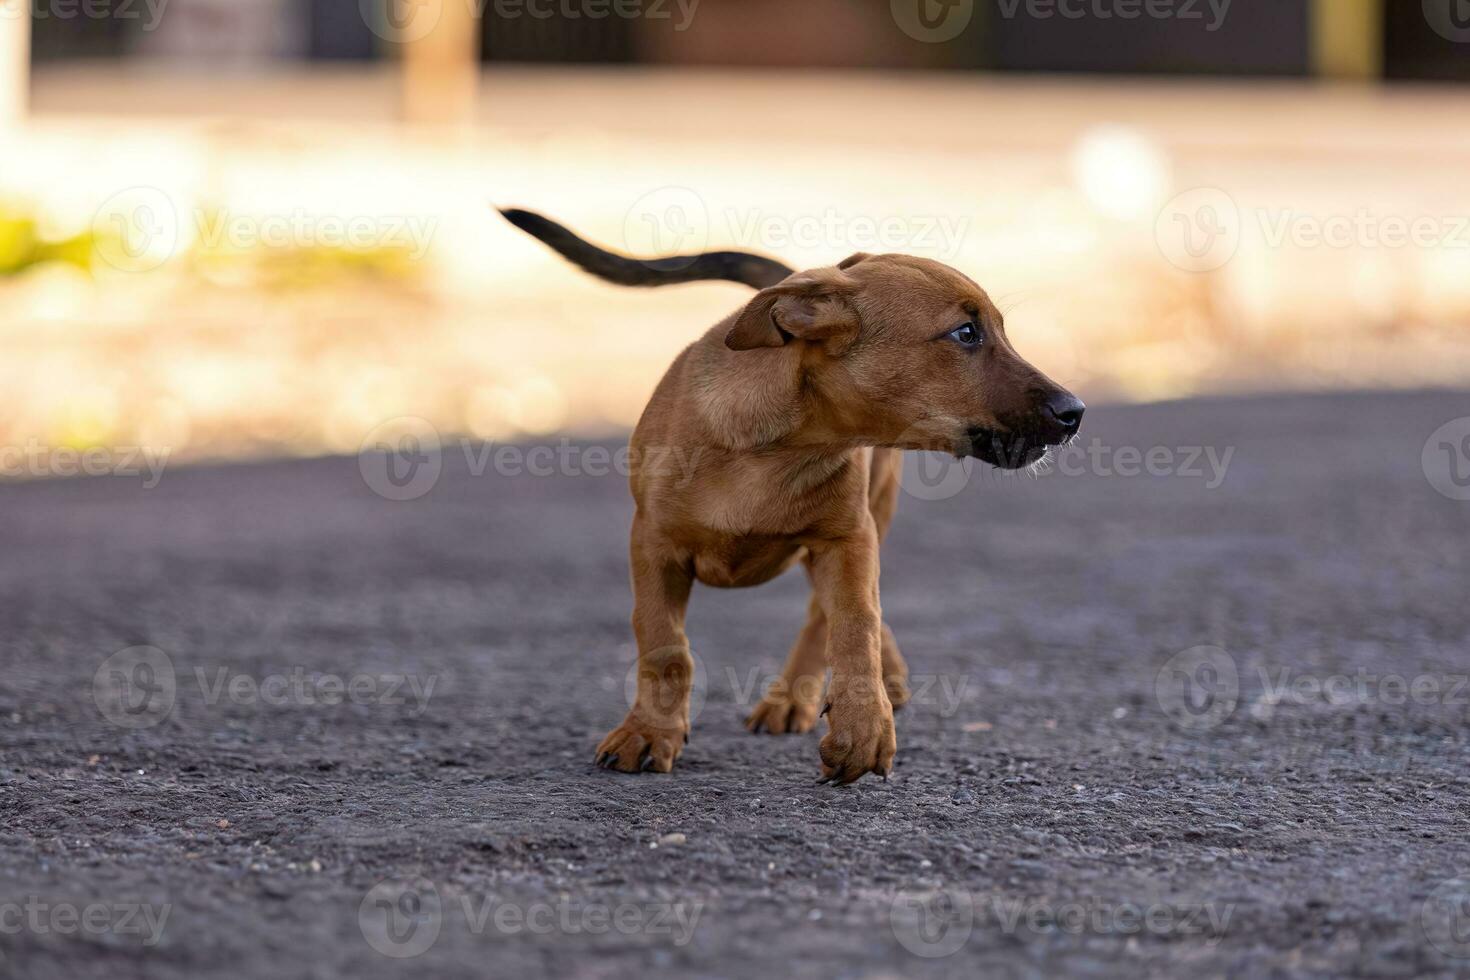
[1207, 719]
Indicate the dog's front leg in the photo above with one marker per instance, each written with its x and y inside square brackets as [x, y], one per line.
[861, 739]
[653, 734]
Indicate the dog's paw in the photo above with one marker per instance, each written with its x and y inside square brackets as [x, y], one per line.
[636, 746]
[780, 713]
[897, 686]
[862, 738]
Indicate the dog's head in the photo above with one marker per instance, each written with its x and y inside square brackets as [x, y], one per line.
[906, 352]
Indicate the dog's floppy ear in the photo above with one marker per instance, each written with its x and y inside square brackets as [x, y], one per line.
[853, 260]
[812, 306]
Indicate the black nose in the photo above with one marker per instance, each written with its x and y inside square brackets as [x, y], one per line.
[1067, 409]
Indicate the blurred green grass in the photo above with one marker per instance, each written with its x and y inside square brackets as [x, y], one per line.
[23, 246]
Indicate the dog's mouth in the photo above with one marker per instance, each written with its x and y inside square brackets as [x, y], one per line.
[1003, 450]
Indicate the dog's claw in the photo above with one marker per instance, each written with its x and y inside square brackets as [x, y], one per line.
[780, 714]
[834, 778]
[635, 746]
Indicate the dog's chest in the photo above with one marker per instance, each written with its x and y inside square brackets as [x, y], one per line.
[736, 562]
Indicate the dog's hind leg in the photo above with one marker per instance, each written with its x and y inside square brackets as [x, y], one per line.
[883, 487]
[656, 729]
[792, 702]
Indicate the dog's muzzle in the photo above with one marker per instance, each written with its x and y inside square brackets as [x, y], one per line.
[1056, 421]
[1006, 451]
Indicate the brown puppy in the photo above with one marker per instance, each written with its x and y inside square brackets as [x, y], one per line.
[793, 412]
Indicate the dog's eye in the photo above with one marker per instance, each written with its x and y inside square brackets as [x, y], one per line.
[968, 335]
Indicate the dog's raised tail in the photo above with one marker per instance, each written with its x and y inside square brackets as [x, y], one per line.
[743, 267]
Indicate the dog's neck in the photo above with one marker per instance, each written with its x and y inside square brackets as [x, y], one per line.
[763, 400]
[747, 400]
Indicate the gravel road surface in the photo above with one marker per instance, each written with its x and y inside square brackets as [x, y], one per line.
[1208, 719]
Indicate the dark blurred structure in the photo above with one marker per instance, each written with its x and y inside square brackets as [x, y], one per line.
[1414, 50]
[1390, 39]
[1273, 38]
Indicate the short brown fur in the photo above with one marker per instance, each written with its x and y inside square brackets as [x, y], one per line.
[790, 417]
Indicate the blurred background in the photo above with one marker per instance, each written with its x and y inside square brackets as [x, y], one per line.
[238, 228]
